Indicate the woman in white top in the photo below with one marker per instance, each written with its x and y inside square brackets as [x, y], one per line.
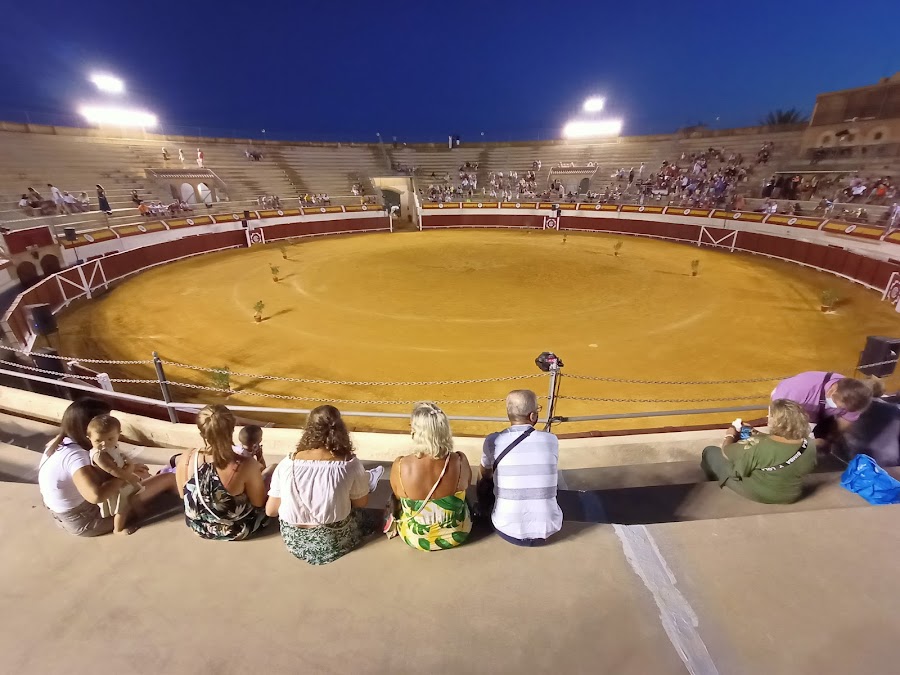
[318, 492]
[72, 488]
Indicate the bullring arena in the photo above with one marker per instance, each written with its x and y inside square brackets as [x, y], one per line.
[467, 305]
[671, 317]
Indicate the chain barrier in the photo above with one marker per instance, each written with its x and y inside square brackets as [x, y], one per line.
[55, 373]
[285, 397]
[25, 352]
[757, 397]
[127, 381]
[618, 380]
[302, 380]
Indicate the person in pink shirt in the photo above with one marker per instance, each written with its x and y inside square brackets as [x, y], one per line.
[832, 401]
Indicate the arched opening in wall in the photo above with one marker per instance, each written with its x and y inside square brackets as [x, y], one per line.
[391, 198]
[187, 193]
[50, 264]
[205, 194]
[27, 273]
[584, 185]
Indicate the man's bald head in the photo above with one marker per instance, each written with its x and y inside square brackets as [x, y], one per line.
[521, 406]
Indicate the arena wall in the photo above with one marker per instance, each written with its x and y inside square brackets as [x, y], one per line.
[866, 255]
[154, 243]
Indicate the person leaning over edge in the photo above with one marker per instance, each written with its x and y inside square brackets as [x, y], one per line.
[525, 512]
[831, 401]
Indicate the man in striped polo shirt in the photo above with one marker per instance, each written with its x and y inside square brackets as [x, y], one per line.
[526, 512]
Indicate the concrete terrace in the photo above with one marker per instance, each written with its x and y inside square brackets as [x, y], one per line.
[656, 571]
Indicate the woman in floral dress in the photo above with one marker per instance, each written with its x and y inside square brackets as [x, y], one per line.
[224, 493]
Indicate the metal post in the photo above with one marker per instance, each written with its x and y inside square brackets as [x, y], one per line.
[161, 377]
[551, 397]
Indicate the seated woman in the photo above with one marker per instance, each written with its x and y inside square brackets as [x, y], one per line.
[318, 492]
[224, 494]
[72, 488]
[767, 468]
[431, 485]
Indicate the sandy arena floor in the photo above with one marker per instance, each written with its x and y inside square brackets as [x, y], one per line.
[453, 305]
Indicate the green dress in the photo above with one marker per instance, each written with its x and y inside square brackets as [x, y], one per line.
[435, 524]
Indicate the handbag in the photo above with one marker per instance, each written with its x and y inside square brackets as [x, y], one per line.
[484, 488]
[864, 477]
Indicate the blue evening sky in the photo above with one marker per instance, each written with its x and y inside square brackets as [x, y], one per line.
[420, 70]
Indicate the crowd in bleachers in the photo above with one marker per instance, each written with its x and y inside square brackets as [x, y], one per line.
[59, 202]
[268, 202]
[319, 199]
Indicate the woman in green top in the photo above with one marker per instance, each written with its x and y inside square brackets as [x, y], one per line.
[767, 468]
[431, 483]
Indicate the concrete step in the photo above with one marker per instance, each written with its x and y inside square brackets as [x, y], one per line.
[698, 501]
[682, 472]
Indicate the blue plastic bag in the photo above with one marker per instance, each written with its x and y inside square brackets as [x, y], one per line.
[864, 477]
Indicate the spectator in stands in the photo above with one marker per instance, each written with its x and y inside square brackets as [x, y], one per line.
[71, 488]
[319, 491]
[34, 197]
[85, 201]
[135, 199]
[165, 154]
[72, 204]
[199, 158]
[525, 512]
[767, 468]
[57, 198]
[831, 401]
[894, 216]
[102, 200]
[144, 210]
[24, 204]
[431, 483]
[181, 155]
[224, 493]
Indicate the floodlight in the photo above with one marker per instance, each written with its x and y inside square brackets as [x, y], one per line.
[590, 128]
[594, 104]
[108, 84]
[119, 117]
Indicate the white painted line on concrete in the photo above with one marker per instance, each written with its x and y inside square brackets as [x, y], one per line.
[677, 616]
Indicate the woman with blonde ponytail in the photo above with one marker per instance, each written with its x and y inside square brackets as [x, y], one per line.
[318, 492]
[224, 493]
[431, 483]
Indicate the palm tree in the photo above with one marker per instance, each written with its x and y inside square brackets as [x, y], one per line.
[258, 310]
[780, 117]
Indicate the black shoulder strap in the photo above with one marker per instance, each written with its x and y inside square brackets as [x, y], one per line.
[525, 434]
[822, 395]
